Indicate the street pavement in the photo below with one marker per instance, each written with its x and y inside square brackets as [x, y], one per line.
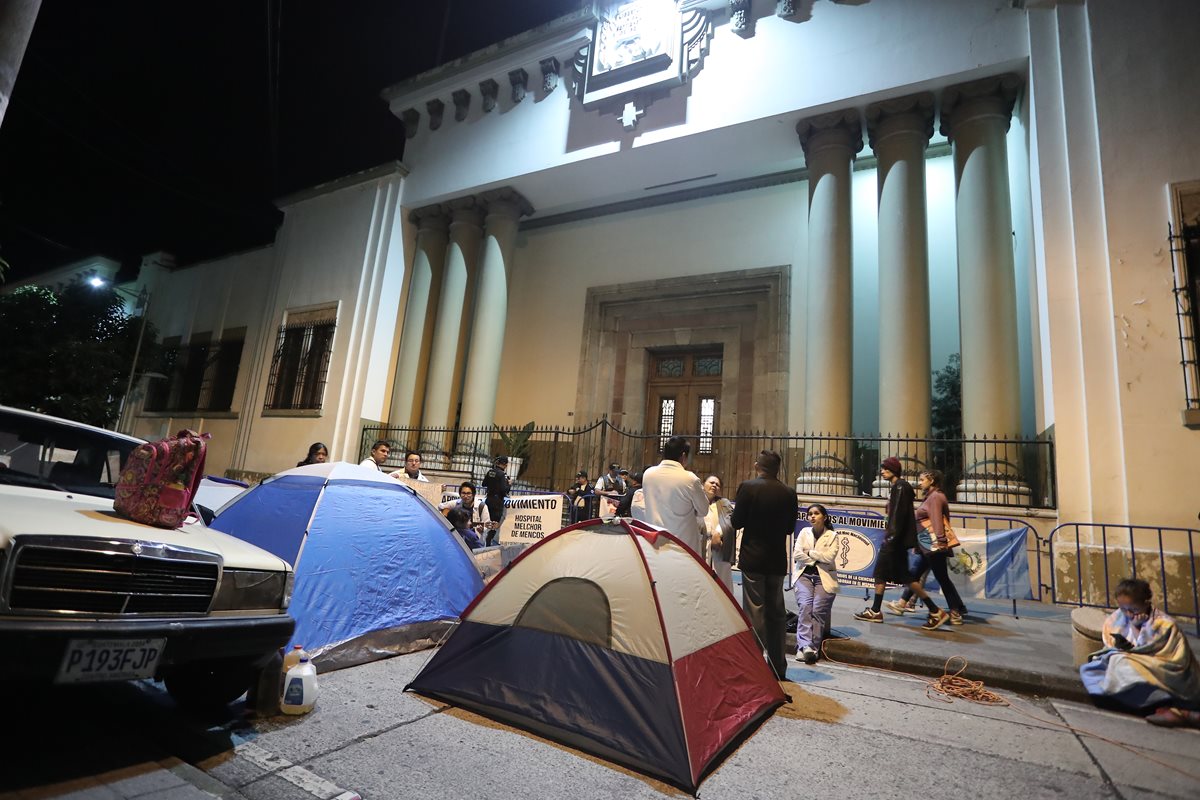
[849, 730]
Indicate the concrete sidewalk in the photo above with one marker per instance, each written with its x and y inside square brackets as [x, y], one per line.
[1030, 652]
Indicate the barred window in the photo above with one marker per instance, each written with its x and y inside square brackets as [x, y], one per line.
[1185, 255]
[301, 360]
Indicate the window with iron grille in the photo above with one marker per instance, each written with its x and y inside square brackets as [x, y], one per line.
[301, 360]
[1184, 235]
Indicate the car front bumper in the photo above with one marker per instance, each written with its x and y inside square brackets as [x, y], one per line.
[32, 648]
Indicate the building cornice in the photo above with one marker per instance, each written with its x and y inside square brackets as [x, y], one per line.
[559, 38]
[386, 170]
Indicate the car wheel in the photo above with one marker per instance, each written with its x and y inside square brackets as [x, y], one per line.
[209, 684]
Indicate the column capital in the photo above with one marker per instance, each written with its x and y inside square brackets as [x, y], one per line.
[464, 211]
[835, 129]
[429, 218]
[987, 97]
[506, 200]
[912, 114]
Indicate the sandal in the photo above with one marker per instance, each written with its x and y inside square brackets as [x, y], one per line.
[1174, 718]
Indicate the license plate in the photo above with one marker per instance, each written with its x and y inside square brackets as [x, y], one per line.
[87, 660]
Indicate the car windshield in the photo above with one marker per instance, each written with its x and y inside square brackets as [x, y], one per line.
[47, 454]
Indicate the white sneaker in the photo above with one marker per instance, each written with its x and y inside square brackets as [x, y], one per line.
[809, 655]
[897, 607]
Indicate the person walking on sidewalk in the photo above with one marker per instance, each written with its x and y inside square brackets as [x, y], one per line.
[815, 582]
[900, 536]
[934, 514]
[765, 510]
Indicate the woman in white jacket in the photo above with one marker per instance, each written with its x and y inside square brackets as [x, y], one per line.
[815, 582]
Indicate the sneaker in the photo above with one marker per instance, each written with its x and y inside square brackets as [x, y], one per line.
[869, 615]
[897, 607]
[936, 618]
[956, 618]
[809, 655]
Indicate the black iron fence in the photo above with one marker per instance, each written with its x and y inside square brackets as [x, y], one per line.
[988, 471]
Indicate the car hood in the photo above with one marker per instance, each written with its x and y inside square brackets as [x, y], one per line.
[42, 511]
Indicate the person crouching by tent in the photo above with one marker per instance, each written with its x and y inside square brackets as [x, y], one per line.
[815, 582]
[460, 518]
[1146, 662]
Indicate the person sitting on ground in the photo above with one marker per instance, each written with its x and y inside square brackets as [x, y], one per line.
[1146, 662]
[814, 581]
[461, 520]
[481, 520]
[318, 453]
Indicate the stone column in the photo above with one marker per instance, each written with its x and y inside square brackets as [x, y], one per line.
[899, 132]
[975, 117]
[443, 382]
[416, 337]
[505, 208]
[830, 142]
[16, 26]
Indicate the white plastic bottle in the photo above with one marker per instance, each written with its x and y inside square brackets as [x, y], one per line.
[293, 657]
[300, 688]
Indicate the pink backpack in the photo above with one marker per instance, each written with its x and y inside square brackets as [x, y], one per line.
[160, 479]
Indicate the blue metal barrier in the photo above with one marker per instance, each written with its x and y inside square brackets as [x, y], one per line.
[1122, 534]
[1007, 524]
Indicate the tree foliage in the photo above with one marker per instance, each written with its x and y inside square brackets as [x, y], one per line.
[946, 414]
[69, 353]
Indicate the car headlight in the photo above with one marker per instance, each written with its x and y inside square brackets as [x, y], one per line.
[289, 584]
[251, 588]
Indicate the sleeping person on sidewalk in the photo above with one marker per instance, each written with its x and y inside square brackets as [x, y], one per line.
[1146, 662]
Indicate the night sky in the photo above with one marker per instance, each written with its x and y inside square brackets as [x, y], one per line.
[152, 125]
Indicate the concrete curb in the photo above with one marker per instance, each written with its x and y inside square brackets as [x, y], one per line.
[201, 779]
[994, 676]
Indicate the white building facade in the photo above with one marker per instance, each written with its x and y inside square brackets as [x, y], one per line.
[805, 207]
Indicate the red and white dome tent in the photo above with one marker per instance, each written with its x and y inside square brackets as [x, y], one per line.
[616, 639]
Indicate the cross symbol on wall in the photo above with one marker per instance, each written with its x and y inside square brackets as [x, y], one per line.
[629, 117]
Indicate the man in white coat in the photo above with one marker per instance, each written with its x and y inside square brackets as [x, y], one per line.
[673, 497]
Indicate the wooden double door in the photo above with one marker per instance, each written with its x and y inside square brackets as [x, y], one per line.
[683, 396]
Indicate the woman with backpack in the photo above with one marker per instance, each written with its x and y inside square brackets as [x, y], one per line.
[815, 582]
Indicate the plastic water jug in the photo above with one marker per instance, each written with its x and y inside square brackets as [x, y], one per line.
[293, 657]
[299, 688]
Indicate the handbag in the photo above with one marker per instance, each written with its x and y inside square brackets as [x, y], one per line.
[928, 541]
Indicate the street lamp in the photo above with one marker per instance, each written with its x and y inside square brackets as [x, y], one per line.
[143, 303]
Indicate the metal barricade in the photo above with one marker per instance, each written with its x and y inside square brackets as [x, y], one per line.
[1098, 555]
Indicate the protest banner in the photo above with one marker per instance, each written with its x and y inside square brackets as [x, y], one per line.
[988, 564]
[530, 518]
[429, 490]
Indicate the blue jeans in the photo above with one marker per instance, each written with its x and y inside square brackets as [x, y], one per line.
[814, 604]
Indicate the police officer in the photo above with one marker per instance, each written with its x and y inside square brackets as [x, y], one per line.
[496, 487]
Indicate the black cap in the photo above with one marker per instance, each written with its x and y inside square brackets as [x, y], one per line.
[613, 465]
[622, 471]
[581, 474]
[501, 459]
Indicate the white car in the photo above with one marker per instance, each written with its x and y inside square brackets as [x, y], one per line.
[87, 595]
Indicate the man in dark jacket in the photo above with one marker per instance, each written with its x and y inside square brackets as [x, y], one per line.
[765, 510]
[900, 536]
[496, 487]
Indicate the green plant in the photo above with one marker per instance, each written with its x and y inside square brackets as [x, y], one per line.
[517, 441]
